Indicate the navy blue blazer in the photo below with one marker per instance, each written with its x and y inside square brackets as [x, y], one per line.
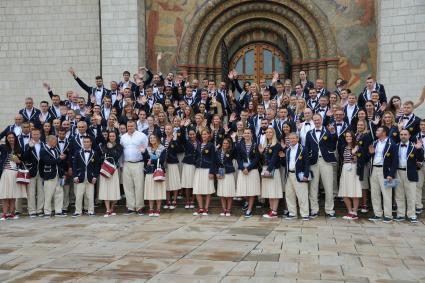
[7, 130]
[189, 148]
[394, 134]
[226, 162]
[218, 137]
[75, 143]
[153, 164]
[271, 157]
[353, 118]
[91, 90]
[363, 95]
[252, 158]
[414, 156]
[302, 162]
[205, 158]
[50, 163]
[390, 158]
[32, 161]
[326, 142]
[33, 117]
[412, 125]
[80, 167]
[363, 142]
[172, 151]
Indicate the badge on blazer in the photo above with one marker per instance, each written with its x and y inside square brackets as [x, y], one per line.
[206, 151]
[227, 155]
[172, 146]
[387, 154]
[220, 136]
[360, 142]
[411, 155]
[325, 137]
[253, 151]
[359, 154]
[92, 160]
[394, 134]
[410, 129]
[178, 134]
[300, 157]
[270, 151]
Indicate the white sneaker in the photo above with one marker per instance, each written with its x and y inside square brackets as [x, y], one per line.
[223, 213]
[187, 206]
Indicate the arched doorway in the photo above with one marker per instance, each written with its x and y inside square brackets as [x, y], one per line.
[258, 61]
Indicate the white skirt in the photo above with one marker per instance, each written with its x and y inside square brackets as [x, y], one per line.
[272, 187]
[226, 187]
[154, 190]
[109, 188]
[349, 184]
[248, 185]
[188, 172]
[172, 177]
[202, 184]
[8, 186]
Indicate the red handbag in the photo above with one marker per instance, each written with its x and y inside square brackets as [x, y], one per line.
[107, 169]
[23, 176]
[158, 174]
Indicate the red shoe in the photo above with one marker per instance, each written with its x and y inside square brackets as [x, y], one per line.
[200, 211]
[205, 212]
[151, 213]
[270, 214]
[354, 216]
[157, 213]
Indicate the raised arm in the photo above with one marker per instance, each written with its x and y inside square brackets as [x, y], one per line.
[421, 99]
[87, 88]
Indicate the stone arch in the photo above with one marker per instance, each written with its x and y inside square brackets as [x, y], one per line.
[303, 24]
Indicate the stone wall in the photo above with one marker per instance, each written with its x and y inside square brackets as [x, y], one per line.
[401, 49]
[119, 25]
[39, 41]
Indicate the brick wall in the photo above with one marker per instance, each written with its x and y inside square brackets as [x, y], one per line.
[39, 41]
[401, 48]
[119, 21]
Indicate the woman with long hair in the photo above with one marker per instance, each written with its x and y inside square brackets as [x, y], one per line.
[190, 144]
[173, 183]
[203, 180]
[363, 140]
[388, 120]
[155, 191]
[11, 158]
[248, 182]
[217, 131]
[109, 188]
[349, 186]
[271, 183]
[226, 185]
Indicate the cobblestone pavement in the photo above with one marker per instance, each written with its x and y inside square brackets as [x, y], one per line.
[179, 247]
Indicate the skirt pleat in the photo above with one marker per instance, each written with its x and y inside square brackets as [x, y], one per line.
[248, 185]
[202, 184]
[8, 186]
[188, 172]
[172, 177]
[226, 187]
[272, 187]
[109, 188]
[154, 190]
[349, 185]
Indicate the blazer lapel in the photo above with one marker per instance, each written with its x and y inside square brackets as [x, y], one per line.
[410, 121]
[387, 147]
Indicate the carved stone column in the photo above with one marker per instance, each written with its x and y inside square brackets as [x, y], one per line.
[332, 72]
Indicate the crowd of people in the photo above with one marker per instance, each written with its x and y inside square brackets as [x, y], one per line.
[153, 139]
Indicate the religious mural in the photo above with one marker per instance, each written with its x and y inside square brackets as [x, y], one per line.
[351, 21]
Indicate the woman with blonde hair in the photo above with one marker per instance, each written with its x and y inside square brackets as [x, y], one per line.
[203, 180]
[388, 120]
[271, 182]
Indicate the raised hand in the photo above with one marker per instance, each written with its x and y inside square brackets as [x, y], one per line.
[418, 144]
[376, 120]
[46, 85]
[72, 72]
[159, 56]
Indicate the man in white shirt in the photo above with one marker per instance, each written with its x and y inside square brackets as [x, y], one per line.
[133, 177]
[296, 188]
[351, 108]
[384, 161]
[306, 126]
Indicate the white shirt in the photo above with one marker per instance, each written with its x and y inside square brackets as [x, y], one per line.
[131, 144]
[402, 155]
[17, 130]
[61, 145]
[318, 139]
[405, 121]
[43, 116]
[98, 94]
[29, 112]
[106, 111]
[114, 96]
[378, 159]
[305, 128]
[350, 112]
[142, 126]
[57, 111]
[86, 156]
[37, 147]
[293, 157]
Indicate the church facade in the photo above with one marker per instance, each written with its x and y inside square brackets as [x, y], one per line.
[328, 39]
